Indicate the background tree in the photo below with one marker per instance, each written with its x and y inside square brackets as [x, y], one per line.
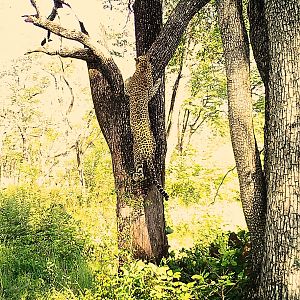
[200, 58]
[269, 199]
[251, 178]
[32, 130]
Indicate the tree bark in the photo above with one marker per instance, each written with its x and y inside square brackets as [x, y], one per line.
[281, 262]
[251, 178]
[148, 24]
[259, 37]
[142, 232]
[260, 44]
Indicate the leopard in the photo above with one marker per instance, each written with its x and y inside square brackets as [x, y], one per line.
[141, 89]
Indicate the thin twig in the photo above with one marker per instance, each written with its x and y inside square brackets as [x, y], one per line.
[174, 94]
[33, 2]
[219, 187]
[69, 87]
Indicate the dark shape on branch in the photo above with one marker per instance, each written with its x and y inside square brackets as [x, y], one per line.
[57, 4]
[82, 28]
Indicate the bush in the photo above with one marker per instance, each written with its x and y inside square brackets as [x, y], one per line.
[218, 272]
[40, 248]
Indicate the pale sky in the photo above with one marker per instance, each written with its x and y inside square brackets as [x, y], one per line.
[19, 36]
[13, 32]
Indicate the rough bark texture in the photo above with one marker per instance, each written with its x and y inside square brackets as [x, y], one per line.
[251, 178]
[141, 228]
[280, 277]
[259, 37]
[148, 24]
[260, 44]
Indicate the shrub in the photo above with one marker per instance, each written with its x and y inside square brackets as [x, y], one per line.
[39, 249]
[218, 272]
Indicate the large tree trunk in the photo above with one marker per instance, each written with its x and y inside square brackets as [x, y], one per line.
[280, 277]
[140, 210]
[148, 24]
[251, 178]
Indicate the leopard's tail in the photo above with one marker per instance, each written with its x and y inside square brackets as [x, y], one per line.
[160, 189]
[155, 181]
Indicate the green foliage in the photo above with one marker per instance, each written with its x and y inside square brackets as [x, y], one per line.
[200, 55]
[98, 167]
[40, 248]
[41, 124]
[208, 80]
[191, 274]
[218, 272]
[201, 228]
[193, 183]
[182, 179]
[46, 253]
[197, 273]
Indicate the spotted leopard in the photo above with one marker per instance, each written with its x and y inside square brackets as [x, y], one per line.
[140, 90]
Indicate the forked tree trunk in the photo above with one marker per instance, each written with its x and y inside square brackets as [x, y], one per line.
[280, 277]
[251, 178]
[140, 210]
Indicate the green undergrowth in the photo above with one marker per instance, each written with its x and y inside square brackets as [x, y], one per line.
[57, 244]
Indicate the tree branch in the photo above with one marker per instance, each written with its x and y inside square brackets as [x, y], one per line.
[75, 35]
[174, 94]
[78, 53]
[169, 38]
[108, 66]
[218, 189]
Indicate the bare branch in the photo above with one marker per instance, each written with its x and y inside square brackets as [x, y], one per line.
[218, 189]
[75, 35]
[78, 53]
[64, 153]
[69, 87]
[103, 57]
[174, 94]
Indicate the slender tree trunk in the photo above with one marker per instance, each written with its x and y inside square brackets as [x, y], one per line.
[251, 178]
[174, 93]
[280, 278]
[260, 46]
